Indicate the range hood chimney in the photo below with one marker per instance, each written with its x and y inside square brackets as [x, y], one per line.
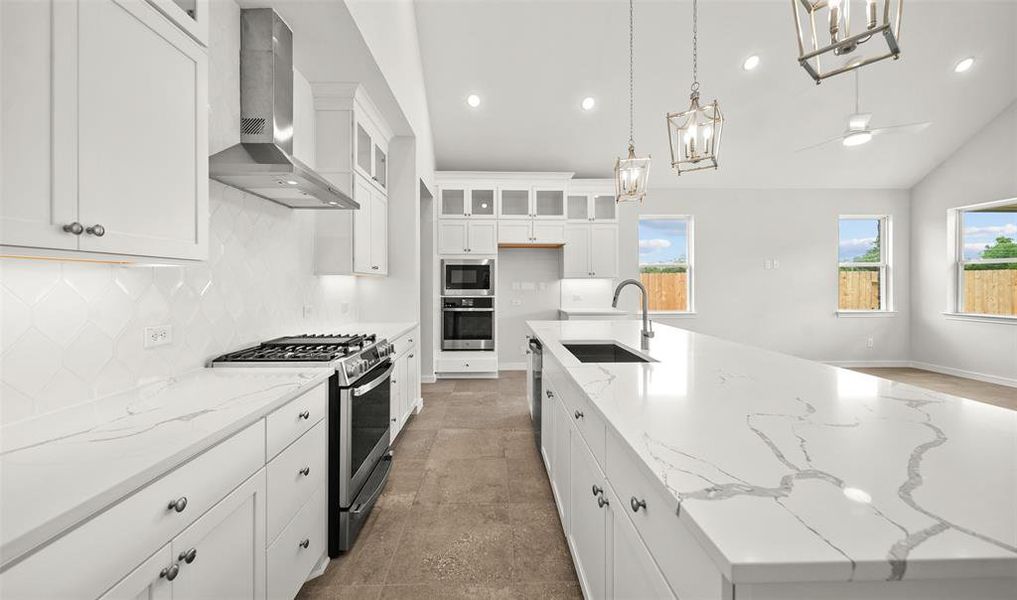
[263, 163]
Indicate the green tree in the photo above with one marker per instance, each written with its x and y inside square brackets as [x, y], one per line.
[1003, 248]
[871, 255]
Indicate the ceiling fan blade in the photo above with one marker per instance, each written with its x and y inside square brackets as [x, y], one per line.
[907, 128]
[823, 143]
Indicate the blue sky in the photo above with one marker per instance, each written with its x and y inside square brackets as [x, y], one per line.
[662, 241]
[856, 237]
[982, 229]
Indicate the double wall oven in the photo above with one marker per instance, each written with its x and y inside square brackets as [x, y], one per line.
[467, 304]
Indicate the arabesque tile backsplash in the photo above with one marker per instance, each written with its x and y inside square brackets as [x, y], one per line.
[73, 332]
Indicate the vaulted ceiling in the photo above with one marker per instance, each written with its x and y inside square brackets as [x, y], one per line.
[532, 63]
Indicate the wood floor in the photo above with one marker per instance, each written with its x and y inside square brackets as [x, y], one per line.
[990, 393]
[467, 512]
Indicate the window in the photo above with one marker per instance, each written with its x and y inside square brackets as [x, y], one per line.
[665, 262]
[864, 264]
[987, 260]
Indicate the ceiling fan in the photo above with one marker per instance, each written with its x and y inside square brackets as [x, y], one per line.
[858, 131]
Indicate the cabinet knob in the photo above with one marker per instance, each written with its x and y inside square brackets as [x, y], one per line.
[467, 364]
[304, 543]
[75, 228]
[188, 556]
[411, 356]
[96, 230]
[579, 415]
[170, 573]
[597, 490]
[305, 415]
[305, 471]
[602, 501]
[375, 267]
[637, 504]
[178, 505]
[549, 393]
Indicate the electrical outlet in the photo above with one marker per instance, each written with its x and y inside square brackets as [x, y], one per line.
[869, 342]
[160, 335]
[776, 264]
[768, 264]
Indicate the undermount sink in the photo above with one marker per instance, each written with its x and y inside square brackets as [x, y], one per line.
[603, 353]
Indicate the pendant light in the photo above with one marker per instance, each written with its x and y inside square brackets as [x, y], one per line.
[632, 173]
[694, 134]
[824, 32]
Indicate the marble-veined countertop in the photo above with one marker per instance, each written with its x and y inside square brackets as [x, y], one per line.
[792, 470]
[62, 468]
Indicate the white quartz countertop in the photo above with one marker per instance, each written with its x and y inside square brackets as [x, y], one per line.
[792, 470]
[60, 469]
[388, 331]
[586, 310]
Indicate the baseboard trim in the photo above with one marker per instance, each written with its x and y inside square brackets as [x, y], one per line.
[428, 378]
[986, 377]
[515, 366]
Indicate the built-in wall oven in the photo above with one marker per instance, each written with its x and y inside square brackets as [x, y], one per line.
[467, 277]
[467, 323]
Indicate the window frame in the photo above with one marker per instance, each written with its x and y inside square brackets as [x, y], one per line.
[689, 259]
[959, 262]
[885, 264]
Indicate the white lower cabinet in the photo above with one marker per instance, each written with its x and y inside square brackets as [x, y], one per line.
[147, 582]
[561, 463]
[397, 400]
[298, 548]
[405, 380]
[587, 532]
[634, 574]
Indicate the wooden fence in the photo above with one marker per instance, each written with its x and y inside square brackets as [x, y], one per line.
[666, 291]
[991, 292]
[859, 290]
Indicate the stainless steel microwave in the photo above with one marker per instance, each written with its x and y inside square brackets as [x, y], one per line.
[467, 277]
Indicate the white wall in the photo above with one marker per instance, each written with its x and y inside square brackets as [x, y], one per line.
[983, 170]
[528, 288]
[791, 309]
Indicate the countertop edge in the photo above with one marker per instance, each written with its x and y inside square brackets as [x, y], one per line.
[23, 546]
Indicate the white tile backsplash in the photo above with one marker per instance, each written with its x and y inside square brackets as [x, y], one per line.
[72, 332]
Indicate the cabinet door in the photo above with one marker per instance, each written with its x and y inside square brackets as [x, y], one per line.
[363, 148]
[605, 208]
[547, 430]
[146, 582]
[549, 203]
[589, 520]
[397, 397]
[514, 232]
[362, 226]
[451, 236]
[604, 250]
[381, 166]
[514, 203]
[576, 254]
[577, 207]
[453, 202]
[379, 233]
[481, 202]
[412, 378]
[483, 237]
[561, 468]
[228, 545]
[634, 574]
[37, 194]
[548, 233]
[142, 148]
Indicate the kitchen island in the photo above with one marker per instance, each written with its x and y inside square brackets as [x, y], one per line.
[753, 474]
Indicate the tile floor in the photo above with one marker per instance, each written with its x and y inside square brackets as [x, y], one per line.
[990, 393]
[467, 512]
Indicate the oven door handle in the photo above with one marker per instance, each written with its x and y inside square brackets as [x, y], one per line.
[367, 504]
[360, 391]
[468, 309]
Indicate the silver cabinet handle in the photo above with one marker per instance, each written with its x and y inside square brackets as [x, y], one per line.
[409, 341]
[188, 556]
[305, 415]
[74, 227]
[304, 543]
[579, 415]
[96, 230]
[170, 573]
[597, 490]
[411, 356]
[375, 267]
[305, 471]
[637, 504]
[602, 501]
[178, 505]
[549, 393]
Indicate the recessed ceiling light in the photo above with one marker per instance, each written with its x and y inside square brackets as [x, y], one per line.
[588, 103]
[857, 138]
[751, 63]
[473, 100]
[964, 65]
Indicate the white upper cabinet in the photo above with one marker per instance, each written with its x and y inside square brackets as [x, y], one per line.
[591, 207]
[189, 15]
[548, 203]
[482, 202]
[467, 237]
[591, 251]
[514, 202]
[453, 202]
[519, 202]
[105, 124]
[462, 202]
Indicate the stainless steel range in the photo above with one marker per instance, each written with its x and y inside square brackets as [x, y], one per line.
[359, 418]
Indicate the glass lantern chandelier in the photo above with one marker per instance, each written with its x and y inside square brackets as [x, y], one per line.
[828, 46]
[632, 173]
[694, 134]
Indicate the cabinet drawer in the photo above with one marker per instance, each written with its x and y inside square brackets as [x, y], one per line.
[685, 565]
[288, 423]
[467, 365]
[405, 342]
[288, 486]
[289, 562]
[104, 549]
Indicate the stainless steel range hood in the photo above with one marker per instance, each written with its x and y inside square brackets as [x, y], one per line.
[263, 163]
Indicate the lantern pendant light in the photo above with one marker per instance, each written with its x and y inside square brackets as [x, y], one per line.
[631, 173]
[824, 33]
[694, 134]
